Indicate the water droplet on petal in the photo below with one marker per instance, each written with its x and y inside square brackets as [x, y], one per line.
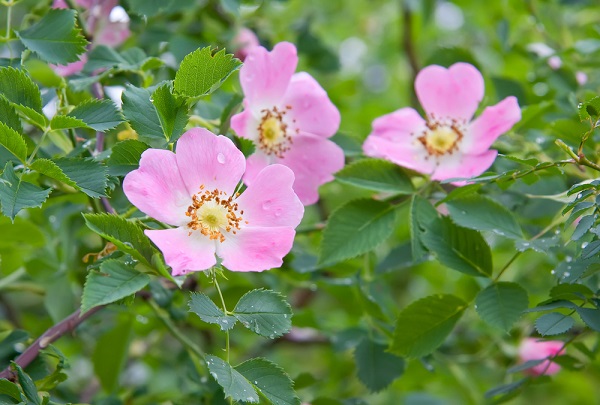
[221, 158]
[267, 204]
[278, 213]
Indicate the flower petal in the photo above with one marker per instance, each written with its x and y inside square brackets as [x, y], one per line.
[265, 75]
[245, 125]
[311, 111]
[270, 200]
[255, 163]
[209, 160]
[463, 166]
[71, 68]
[184, 253]
[157, 188]
[450, 93]
[313, 160]
[493, 122]
[256, 249]
[406, 153]
[399, 126]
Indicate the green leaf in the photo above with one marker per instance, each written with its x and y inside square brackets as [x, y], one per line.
[590, 110]
[16, 194]
[201, 72]
[591, 317]
[12, 390]
[125, 157]
[172, 112]
[111, 352]
[132, 59]
[459, 248]
[246, 146]
[270, 380]
[66, 122]
[87, 175]
[100, 115]
[501, 304]
[424, 324]
[234, 384]
[206, 309]
[55, 38]
[9, 116]
[553, 323]
[376, 367]
[356, 228]
[18, 88]
[142, 116]
[376, 174]
[483, 214]
[264, 312]
[113, 282]
[585, 223]
[422, 215]
[126, 235]
[27, 385]
[13, 142]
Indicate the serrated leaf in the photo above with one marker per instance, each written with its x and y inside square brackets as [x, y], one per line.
[16, 194]
[553, 323]
[422, 214]
[125, 157]
[270, 380]
[87, 175]
[27, 385]
[55, 38]
[525, 366]
[12, 390]
[201, 72]
[264, 312]
[36, 118]
[376, 368]
[172, 112]
[424, 325]
[547, 306]
[591, 250]
[126, 235]
[483, 214]
[570, 292]
[376, 174]
[459, 248]
[206, 309]
[113, 282]
[505, 389]
[501, 304]
[100, 115]
[246, 146]
[18, 88]
[591, 317]
[356, 228]
[234, 384]
[9, 116]
[585, 223]
[589, 110]
[66, 122]
[141, 115]
[13, 142]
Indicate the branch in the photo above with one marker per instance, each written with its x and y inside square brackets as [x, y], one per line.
[54, 333]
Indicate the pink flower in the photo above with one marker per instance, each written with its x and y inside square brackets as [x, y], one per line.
[244, 40]
[194, 190]
[289, 117]
[555, 62]
[534, 349]
[447, 144]
[581, 77]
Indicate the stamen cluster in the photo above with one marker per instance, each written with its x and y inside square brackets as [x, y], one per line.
[442, 136]
[274, 137]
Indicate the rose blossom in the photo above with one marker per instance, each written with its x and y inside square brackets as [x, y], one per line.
[243, 41]
[289, 117]
[446, 144]
[534, 349]
[194, 190]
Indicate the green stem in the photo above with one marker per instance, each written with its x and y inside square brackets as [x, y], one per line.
[507, 265]
[177, 334]
[8, 19]
[37, 147]
[214, 277]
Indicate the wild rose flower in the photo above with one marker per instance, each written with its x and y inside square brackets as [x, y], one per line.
[289, 117]
[194, 190]
[534, 349]
[447, 144]
[243, 41]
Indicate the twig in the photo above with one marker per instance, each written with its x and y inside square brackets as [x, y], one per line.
[408, 46]
[54, 333]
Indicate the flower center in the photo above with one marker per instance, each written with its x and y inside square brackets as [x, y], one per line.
[274, 137]
[440, 139]
[213, 214]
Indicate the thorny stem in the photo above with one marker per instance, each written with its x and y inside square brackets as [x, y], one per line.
[580, 158]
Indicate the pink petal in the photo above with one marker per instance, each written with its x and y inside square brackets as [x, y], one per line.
[243, 41]
[405, 153]
[265, 76]
[71, 68]
[313, 160]
[206, 159]
[450, 93]
[256, 249]
[245, 125]
[184, 253]
[112, 34]
[255, 163]
[157, 188]
[270, 200]
[463, 166]
[493, 122]
[312, 110]
[532, 349]
[399, 126]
